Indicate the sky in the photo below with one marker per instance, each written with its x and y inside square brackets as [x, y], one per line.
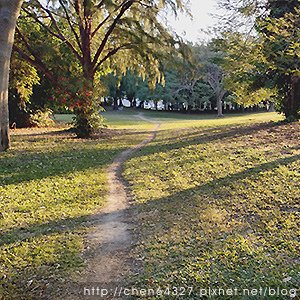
[191, 29]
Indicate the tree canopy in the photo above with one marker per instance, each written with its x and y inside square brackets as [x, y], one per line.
[265, 61]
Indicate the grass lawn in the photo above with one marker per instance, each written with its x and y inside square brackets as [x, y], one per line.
[218, 205]
[50, 182]
[217, 201]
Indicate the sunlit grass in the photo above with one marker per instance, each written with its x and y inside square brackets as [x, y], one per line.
[218, 206]
[50, 183]
[188, 184]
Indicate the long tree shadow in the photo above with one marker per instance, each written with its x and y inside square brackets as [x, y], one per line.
[34, 231]
[31, 166]
[217, 183]
[250, 172]
[76, 156]
[178, 232]
[45, 264]
[205, 135]
[35, 166]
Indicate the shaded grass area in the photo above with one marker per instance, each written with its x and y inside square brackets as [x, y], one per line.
[219, 207]
[50, 183]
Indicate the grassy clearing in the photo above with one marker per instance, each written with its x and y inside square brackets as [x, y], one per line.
[218, 205]
[50, 182]
[128, 119]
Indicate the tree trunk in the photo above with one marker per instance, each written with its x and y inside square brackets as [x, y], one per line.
[141, 104]
[220, 97]
[292, 106]
[87, 114]
[133, 103]
[9, 12]
[116, 104]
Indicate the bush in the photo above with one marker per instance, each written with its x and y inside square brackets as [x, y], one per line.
[41, 118]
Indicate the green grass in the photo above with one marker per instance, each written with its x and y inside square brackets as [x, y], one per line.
[128, 119]
[217, 200]
[218, 205]
[50, 182]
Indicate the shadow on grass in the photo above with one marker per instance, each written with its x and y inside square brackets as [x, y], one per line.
[205, 135]
[178, 234]
[32, 166]
[64, 162]
[34, 260]
[36, 230]
[27, 234]
[250, 172]
[25, 167]
[231, 179]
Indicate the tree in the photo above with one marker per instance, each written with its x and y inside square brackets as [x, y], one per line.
[214, 77]
[280, 32]
[186, 85]
[9, 12]
[114, 89]
[275, 70]
[23, 79]
[130, 86]
[109, 35]
[206, 67]
[244, 68]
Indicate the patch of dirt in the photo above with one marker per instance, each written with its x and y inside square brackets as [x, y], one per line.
[111, 241]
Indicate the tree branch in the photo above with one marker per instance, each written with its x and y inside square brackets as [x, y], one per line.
[36, 62]
[59, 34]
[124, 8]
[70, 24]
[109, 54]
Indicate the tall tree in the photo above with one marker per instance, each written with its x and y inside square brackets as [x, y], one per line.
[281, 33]
[115, 35]
[276, 43]
[9, 12]
[244, 68]
[214, 77]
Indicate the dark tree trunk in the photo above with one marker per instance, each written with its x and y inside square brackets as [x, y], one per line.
[141, 104]
[292, 103]
[116, 104]
[133, 103]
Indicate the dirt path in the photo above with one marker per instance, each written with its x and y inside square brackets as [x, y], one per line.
[111, 240]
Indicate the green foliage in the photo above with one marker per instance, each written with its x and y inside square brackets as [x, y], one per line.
[23, 77]
[89, 40]
[244, 66]
[41, 118]
[266, 64]
[88, 121]
[281, 47]
[51, 183]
